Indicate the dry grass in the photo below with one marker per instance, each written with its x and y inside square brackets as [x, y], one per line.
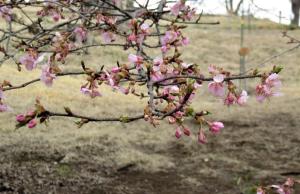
[115, 145]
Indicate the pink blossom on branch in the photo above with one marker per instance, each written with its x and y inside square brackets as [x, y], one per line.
[5, 108]
[20, 118]
[215, 127]
[80, 34]
[268, 88]
[201, 137]
[178, 132]
[217, 87]
[135, 59]
[108, 37]
[32, 123]
[242, 98]
[30, 60]
[177, 7]
[6, 13]
[47, 75]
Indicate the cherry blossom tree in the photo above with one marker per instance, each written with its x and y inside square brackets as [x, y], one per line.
[170, 82]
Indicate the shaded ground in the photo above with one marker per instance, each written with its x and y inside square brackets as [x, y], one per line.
[246, 154]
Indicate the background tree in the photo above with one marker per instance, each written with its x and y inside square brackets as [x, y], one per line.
[295, 10]
[230, 7]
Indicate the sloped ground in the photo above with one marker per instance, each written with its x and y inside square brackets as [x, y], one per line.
[259, 145]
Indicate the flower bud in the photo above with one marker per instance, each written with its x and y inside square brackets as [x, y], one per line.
[32, 123]
[20, 118]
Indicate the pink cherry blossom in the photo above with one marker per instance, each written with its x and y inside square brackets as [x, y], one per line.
[145, 28]
[216, 87]
[177, 7]
[29, 61]
[185, 41]
[47, 76]
[108, 37]
[172, 120]
[80, 34]
[273, 81]
[32, 123]
[55, 15]
[212, 69]
[20, 118]
[6, 13]
[242, 99]
[219, 78]
[230, 99]
[90, 92]
[123, 90]
[5, 108]
[137, 60]
[158, 61]
[132, 38]
[170, 36]
[115, 69]
[268, 88]
[164, 49]
[215, 127]
[178, 133]
[190, 14]
[201, 137]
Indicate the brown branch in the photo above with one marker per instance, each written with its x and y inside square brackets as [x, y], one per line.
[123, 119]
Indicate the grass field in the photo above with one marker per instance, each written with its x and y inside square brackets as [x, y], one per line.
[258, 144]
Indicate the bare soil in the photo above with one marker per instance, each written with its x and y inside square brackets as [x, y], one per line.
[263, 151]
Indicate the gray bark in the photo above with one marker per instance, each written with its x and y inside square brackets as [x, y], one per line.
[295, 10]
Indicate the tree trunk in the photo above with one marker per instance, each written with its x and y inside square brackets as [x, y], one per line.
[295, 9]
[230, 8]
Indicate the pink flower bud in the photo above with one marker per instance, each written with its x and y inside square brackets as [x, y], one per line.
[186, 131]
[185, 41]
[20, 118]
[32, 123]
[178, 133]
[215, 127]
[230, 99]
[201, 137]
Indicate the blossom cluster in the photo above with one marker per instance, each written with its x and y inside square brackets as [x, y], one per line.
[171, 83]
[286, 188]
[3, 107]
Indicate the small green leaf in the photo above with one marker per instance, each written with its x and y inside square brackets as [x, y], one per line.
[277, 69]
[124, 119]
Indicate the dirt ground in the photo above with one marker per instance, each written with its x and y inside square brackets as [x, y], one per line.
[248, 153]
[259, 145]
